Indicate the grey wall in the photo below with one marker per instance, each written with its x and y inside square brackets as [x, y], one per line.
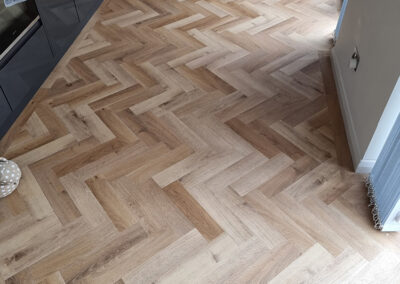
[374, 27]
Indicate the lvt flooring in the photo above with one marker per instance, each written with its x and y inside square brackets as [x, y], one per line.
[191, 142]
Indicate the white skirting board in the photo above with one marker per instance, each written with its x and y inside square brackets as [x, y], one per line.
[361, 166]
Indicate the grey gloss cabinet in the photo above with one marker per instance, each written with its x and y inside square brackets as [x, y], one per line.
[27, 70]
[86, 8]
[61, 22]
[5, 109]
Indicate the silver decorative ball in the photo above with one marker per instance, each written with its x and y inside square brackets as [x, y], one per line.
[10, 174]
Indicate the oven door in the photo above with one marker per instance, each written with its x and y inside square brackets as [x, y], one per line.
[15, 20]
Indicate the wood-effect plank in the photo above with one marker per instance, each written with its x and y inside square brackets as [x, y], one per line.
[191, 141]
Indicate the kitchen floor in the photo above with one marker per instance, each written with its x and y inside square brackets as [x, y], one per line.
[191, 142]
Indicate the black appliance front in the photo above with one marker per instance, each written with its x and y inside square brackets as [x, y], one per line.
[15, 20]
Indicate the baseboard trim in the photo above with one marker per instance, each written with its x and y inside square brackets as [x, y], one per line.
[365, 166]
[361, 166]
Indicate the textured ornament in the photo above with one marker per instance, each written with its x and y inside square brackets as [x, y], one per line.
[10, 174]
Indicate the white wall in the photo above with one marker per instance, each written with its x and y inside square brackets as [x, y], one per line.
[374, 27]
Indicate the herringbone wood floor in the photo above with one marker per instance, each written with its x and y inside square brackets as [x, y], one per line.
[190, 142]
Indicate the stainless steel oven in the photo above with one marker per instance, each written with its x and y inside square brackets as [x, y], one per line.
[16, 18]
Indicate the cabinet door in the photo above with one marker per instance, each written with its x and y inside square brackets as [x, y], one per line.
[5, 109]
[86, 8]
[27, 70]
[61, 22]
